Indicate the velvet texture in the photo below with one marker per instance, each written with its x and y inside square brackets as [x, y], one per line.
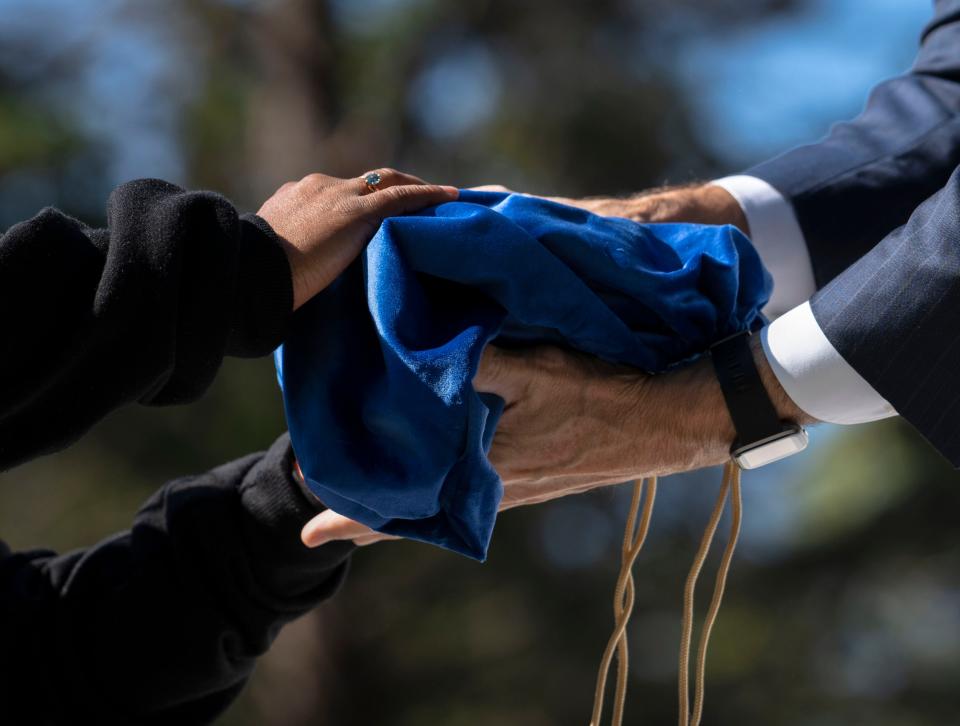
[377, 372]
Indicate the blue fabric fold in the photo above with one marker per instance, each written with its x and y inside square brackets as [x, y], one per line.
[377, 372]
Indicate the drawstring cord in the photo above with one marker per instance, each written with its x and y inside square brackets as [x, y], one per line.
[623, 600]
[730, 486]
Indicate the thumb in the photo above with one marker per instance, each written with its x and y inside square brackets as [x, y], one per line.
[328, 526]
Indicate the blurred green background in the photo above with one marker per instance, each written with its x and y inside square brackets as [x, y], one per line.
[844, 602]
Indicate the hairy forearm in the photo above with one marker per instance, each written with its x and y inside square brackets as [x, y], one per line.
[683, 415]
[695, 203]
[573, 422]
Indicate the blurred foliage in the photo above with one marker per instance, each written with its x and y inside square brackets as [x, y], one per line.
[844, 603]
[30, 137]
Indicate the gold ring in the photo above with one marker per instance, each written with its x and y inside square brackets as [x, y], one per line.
[372, 179]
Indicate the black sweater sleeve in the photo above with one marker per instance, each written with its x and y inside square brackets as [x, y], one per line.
[162, 624]
[144, 310]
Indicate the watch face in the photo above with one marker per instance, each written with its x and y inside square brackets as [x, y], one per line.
[768, 452]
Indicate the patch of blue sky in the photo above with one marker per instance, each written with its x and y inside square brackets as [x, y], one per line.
[783, 81]
[131, 76]
[448, 107]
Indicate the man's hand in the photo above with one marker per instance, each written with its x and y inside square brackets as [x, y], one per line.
[700, 204]
[573, 423]
[324, 222]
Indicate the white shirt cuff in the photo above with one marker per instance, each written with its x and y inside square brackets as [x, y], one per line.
[807, 365]
[777, 236]
[815, 375]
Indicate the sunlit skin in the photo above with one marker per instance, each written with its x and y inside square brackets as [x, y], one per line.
[697, 204]
[324, 221]
[573, 423]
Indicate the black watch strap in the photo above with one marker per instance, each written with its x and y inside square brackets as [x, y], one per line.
[751, 409]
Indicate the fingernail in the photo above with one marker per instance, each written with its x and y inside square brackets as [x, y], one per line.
[452, 191]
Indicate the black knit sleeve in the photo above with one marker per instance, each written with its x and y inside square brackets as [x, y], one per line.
[162, 624]
[144, 310]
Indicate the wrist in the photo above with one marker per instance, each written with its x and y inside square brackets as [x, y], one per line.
[787, 410]
[675, 422]
[721, 206]
[698, 204]
[701, 425]
[300, 281]
[273, 510]
[683, 415]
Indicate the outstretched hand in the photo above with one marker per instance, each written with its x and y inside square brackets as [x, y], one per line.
[695, 203]
[562, 430]
[324, 221]
[572, 423]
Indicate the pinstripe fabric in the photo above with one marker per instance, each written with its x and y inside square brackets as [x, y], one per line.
[888, 262]
[895, 317]
[865, 178]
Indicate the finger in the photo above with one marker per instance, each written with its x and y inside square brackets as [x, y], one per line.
[405, 198]
[581, 203]
[373, 538]
[591, 205]
[501, 372]
[493, 188]
[329, 526]
[388, 178]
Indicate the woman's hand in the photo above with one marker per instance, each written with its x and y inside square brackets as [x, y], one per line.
[324, 222]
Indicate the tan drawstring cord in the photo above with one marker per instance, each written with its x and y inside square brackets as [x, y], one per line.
[623, 602]
[730, 485]
[624, 599]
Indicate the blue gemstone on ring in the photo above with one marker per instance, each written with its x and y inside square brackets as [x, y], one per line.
[372, 178]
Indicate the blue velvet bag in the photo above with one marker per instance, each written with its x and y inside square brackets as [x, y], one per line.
[377, 372]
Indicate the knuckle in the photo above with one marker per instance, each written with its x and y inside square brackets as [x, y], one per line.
[314, 179]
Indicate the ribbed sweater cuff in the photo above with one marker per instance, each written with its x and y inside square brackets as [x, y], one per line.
[277, 507]
[264, 291]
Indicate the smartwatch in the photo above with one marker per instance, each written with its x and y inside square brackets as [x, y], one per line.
[762, 437]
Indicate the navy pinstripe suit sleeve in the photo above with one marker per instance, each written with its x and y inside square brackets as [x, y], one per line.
[895, 317]
[878, 201]
[866, 176]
